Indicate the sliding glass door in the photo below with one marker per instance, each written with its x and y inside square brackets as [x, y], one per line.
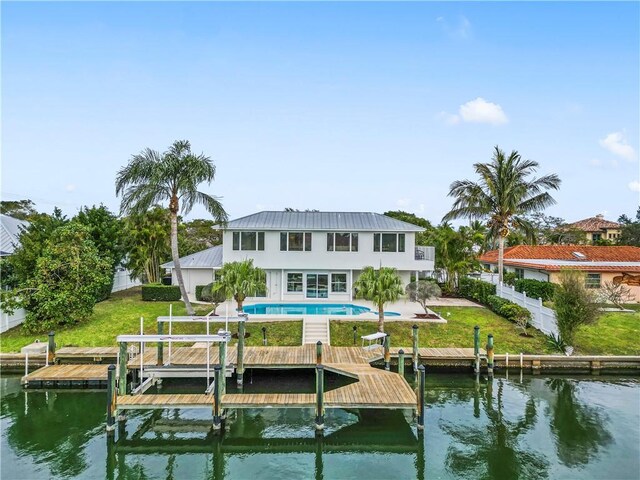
[317, 285]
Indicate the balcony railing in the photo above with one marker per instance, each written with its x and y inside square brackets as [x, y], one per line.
[425, 253]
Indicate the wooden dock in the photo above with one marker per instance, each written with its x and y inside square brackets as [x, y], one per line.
[86, 355]
[67, 376]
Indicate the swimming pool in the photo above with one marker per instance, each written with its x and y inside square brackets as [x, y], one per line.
[310, 309]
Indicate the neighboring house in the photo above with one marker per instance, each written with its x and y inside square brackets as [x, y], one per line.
[10, 229]
[597, 228]
[312, 255]
[617, 264]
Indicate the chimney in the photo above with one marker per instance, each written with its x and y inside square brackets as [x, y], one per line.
[600, 216]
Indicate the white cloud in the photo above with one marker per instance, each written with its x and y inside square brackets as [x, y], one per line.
[617, 144]
[634, 186]
[421, 208]
[70, 187]
[598, 163]
[461, 29]
[403, 202]
[476, 111]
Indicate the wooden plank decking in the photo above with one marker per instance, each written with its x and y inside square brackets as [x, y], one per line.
[156, 401]
[451, 353]
[95, 354]
[67, 373]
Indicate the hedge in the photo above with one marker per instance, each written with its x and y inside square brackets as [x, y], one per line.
[199, 292]
[507, 309]
[477, 290]
[157, 292]
[535, 288]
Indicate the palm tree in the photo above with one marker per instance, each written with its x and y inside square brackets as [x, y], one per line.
[239, 280]
[152, 178]
[503, 196]
[380, 287]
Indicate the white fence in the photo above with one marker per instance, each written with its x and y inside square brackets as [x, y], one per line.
[122, 281]
[10, 321]
[542, 318]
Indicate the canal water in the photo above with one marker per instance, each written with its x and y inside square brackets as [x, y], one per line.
[506, 428]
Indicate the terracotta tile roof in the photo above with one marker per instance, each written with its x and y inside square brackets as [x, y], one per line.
[622, 268]
[593, 224]
[592, 253]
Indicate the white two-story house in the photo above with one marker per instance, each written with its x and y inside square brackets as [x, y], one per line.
[312, 255]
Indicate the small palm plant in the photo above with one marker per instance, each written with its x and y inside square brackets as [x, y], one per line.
[380, 287]
[239, 280]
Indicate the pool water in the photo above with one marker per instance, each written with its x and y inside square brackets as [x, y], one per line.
[310, 309]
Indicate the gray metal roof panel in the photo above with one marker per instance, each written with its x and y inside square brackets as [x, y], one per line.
[10, 229]
[324, 221]
[209, 258]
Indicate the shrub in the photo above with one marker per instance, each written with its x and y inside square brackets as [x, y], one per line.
[160, 293]
[199, 292]
[535, 288]
[573, 304]
[509, 278]
[214, 295]
[422, 291]
[477, 290]
[509, 310]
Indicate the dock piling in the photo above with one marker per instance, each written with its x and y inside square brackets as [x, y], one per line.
[414, 352]
[490, 354]
[222, 356]
[160, 355]
[242, 317]
[387, 353]
[476, 348]
[355, 334]
[52, 348]
[401, 362]
[217, 395]
[319, 353]
[264, 336]
[111, 399]
[421, 389]
[319, 397]
[122, 366]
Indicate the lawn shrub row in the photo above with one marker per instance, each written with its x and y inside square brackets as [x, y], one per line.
[507, 309]
[535, 288]
[477, 290]
[163, 293]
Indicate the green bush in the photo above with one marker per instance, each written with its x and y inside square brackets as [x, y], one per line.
[507, 309]
[535, 288]
[477, 290]
[160, 293]
[509, 278]
[199, 292]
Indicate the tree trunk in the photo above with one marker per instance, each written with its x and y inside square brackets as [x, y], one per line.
[500, 258]
[381, 318]
[176, 262]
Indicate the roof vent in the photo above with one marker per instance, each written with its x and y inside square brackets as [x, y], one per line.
[580, 255]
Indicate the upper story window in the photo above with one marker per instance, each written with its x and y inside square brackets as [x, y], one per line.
[248, 240]
[388, 242]
[592, 280]
[295, 241]
[342, 242]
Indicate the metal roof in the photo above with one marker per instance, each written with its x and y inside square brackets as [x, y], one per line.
[209, 258]
[10, 229]
[323, 221]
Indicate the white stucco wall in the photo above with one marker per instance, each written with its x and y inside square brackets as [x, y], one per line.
[193, 277]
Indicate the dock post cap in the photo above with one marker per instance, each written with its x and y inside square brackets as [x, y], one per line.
[217, 367]
[476, 327]
[52, 333]
[415, 327]
[319, 367]
[421, 367]
[491, 335]
[264, 329]
[242, 316]
[111, 367]
[318, 342]
[401, 351]
[355, 327]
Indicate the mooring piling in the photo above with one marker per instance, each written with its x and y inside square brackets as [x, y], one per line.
[111, 399]
[355, 334]
[122, 369]
[476, 348]
[160, 354]
[421, 389]
[51, 354]
[318, 352]
[414, 352]
[490, 354]
[387, 352]
[242, 317]
[401, 362]
[222, 356]
[319, 397]
[264, 336]
[217, 395]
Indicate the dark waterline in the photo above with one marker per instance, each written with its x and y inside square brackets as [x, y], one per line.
[534, 427]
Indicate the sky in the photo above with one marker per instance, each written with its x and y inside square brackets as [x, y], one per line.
[328, 106]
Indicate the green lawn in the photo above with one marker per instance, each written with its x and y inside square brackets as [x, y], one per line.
[121, 314]
[457, 332]
[615, 333]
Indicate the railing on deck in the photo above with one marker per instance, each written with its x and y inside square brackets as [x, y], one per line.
[425, 253]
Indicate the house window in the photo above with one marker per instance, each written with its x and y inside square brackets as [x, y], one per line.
[519, 272]
[342, 242]
[294, 282]
[388, 242]
[338, 282]
[295, 241]
[596, 237]
[248, 240]
[592, 280]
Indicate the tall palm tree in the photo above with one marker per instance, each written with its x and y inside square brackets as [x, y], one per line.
[152, 178]
[380, 287]
[503, 195]
[239, 280]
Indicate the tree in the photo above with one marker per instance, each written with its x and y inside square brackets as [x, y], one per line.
[198, 235]
[380, 287]
[146, 243]
[574, 305]
[422, 238]
[421, 291]
[503, 195]
[616, 293]
[105, 230]
[630, 232]
[67, 281]
[20, 209]
[239, 280]
[151, 178]
[214, 296]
